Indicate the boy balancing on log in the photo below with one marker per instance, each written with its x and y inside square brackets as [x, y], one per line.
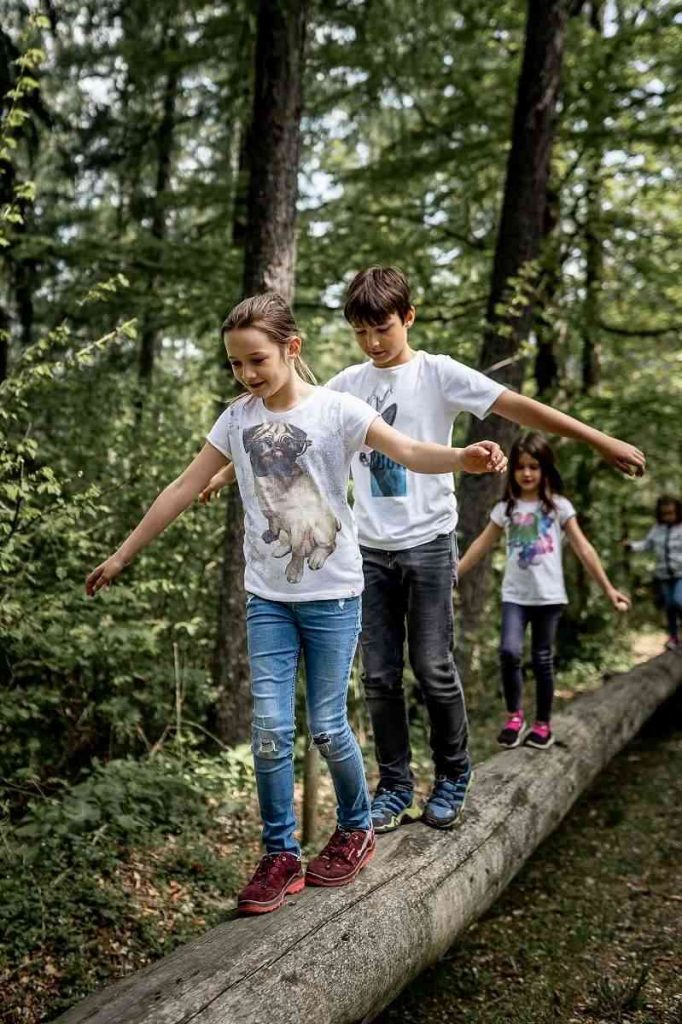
[406, 526]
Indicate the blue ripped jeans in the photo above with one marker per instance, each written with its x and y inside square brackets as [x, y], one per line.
[327, 634]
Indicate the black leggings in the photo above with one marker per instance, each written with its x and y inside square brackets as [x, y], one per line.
[544, 620]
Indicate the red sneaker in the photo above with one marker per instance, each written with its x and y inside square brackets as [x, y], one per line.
[344, 856]
[277, 875]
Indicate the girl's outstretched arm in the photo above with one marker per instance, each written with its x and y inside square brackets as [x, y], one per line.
[173, 500]
[529, 413]
[479, 548]
[590, 559]
[427, 457]
[222, 478]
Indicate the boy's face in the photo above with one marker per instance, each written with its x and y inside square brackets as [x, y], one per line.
[386, 344]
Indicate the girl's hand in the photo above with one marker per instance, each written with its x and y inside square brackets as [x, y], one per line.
[104, 575]
[623, 456]
[219, 480]
[621, 602]
[484, 457]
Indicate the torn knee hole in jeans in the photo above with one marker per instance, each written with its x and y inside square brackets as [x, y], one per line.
[264, 742]
[323, 742]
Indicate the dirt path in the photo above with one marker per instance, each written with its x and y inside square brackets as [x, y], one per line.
[591, 930]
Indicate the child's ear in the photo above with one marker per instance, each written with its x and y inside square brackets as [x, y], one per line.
[294, 347]
[410, 316]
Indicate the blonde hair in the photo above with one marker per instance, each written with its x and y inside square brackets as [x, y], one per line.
[270, 314]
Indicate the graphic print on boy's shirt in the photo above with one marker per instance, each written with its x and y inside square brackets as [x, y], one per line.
[300, 539]
[388, 479]
[300, 522]
[530, 534]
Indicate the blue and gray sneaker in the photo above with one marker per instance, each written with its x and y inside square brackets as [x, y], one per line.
[394, 807]
[446, 802]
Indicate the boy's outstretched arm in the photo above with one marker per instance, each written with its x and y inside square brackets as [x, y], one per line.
[479, 548]
[222, 478]
[590, 559]
[428, 457]
[173, 500]
[529, 413]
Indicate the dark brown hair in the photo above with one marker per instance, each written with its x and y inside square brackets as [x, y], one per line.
[551, 483]
[374, 294]
[667, 499]
[270, 314]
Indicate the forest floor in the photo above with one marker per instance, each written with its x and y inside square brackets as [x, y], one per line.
[613, 906]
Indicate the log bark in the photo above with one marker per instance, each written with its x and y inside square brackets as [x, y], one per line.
[340, 956]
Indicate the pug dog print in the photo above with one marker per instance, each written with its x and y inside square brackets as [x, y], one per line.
[300, 522]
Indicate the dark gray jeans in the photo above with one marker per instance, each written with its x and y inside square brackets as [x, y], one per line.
[544, 620]
[410, 593]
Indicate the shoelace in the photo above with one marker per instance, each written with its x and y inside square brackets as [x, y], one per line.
[449, 791]
[338, 845]
[260, 876]
[541, 729]
[514, 722]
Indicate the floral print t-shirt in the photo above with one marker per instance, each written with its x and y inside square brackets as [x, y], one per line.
[534, 573]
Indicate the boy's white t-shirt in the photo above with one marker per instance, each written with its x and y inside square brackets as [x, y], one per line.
[534, 573]
[300, 538]
[395, 508]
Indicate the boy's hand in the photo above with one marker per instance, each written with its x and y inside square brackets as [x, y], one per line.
[104, 575]
[219, 480]
[623, 456]
[484, 457]
[621, 602]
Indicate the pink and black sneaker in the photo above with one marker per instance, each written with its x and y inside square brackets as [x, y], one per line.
[671, 643]
[540, 736]
[513, 730]
[277, 875]
[344, 856]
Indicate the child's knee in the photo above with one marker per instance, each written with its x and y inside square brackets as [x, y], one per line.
[333, 745]
[271, 744]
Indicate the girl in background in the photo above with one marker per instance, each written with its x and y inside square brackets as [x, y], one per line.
[535, 516]
[665, 540]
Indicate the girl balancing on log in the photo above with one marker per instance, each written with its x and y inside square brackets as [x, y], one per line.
[535, 515]
[665, 540]
[291, 444]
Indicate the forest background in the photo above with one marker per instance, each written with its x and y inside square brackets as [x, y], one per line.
[520, 164]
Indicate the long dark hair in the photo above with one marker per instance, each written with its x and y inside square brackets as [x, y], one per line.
[551, 483]
[667, 499]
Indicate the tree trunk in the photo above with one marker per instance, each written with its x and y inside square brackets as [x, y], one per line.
[164, 148]
[269, 254]
[594, 256]
[339, 957]
[514, 277]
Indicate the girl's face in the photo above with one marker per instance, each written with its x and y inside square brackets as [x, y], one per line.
[668, 514]
[262, 365]
[527, 475]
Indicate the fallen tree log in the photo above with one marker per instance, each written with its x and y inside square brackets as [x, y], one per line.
[339, 956]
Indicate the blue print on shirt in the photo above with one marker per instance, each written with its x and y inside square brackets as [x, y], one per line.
[388, 479]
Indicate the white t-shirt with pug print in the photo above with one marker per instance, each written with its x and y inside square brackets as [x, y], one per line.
[396, 509]
[300, 538]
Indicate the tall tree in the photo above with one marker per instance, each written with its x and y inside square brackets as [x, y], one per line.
[273, 153]
[522, 225]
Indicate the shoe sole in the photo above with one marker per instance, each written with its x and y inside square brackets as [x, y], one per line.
[540, 746]
[517, 742]
[406, 817]
[250, 907]
[443, 827]
[334, 883]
